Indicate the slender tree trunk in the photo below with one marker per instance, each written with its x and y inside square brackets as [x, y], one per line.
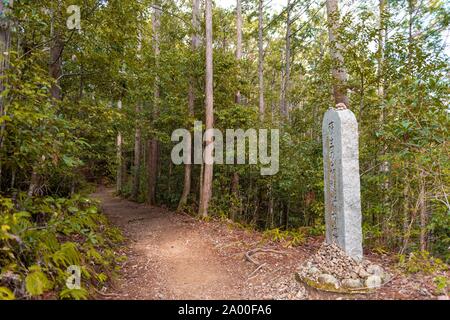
[235, 180]
[235, 192]
[411, 9]
[34, 184]
[200, 187]
[56, 52]
[153, 144]
[55, 71]
[187, 182]
[362, 90]
[13, 178]
[406, 214]
[269, 224]
[119, 174]
[5, 43]
[423, 213]
[56, 67]
[137, 156]
[261, 61]
[238, 40]
[287, 71]
[137, 137]
[272, 90]
[206, 194]
[152, 170]
[380, 53]
[195, 43]
[338, 69]
[382, 36]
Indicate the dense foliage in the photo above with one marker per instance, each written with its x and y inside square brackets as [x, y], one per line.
[396, 56]
[41, 238]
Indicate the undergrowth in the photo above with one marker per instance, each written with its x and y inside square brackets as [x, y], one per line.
[41, 238]
[421, 261]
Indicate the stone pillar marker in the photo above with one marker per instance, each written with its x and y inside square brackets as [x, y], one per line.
[342, 181]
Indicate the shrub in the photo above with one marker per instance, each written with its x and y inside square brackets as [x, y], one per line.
[41, 237]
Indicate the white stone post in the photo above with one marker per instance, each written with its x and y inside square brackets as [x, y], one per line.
[342, 182]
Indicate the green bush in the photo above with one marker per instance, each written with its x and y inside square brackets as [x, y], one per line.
[41, 237]
[421, 261]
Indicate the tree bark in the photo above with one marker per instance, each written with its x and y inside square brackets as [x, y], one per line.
[411, 9]
[153, 144]
[137, 157]
[195, 43]
[34, 184]
[137, 137]
[235, 192]
[5, 43]
[235, 180]
[287, 71]
[238, 40]
[152, 165]
[56, 52]
[206, 194]
[119, 174]
[55, 71]
[382, 36]
[380, 53]
[423, 213]
[406, 213]
[338, 68]
[261, 61]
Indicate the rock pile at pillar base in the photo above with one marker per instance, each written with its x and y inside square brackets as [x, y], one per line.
[330, 269]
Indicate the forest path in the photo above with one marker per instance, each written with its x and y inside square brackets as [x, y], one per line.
[169, 257]
[174, 256]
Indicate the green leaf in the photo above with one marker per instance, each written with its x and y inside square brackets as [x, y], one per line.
[67, 255]
[76, 294]
[73, 209]
[6, 294]
[37, 283]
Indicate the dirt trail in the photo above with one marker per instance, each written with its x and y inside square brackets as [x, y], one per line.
[174, 256]
[169, 258]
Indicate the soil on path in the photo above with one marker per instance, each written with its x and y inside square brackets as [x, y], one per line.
[174, 256]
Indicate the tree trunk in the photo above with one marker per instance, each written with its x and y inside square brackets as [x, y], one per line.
[235, 192]
[186, 184]
[200, 187]
[152, 165]
[206, 194]
[235, 180]
[13, 179]
[119, 175]
[411, 9]
[382, 36]
[137, 138]
[272, 90]
[153, 144]
[406, 232]
[287, 71]
[269, 223]
[34, 183]
[380, 53]
[195, 43]
[423, 213]
[261, 61]
[338, 69]
[56, 67]
[55, 71]
[5, 43]
[239, 40]
[137, 157]
[56, 51]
